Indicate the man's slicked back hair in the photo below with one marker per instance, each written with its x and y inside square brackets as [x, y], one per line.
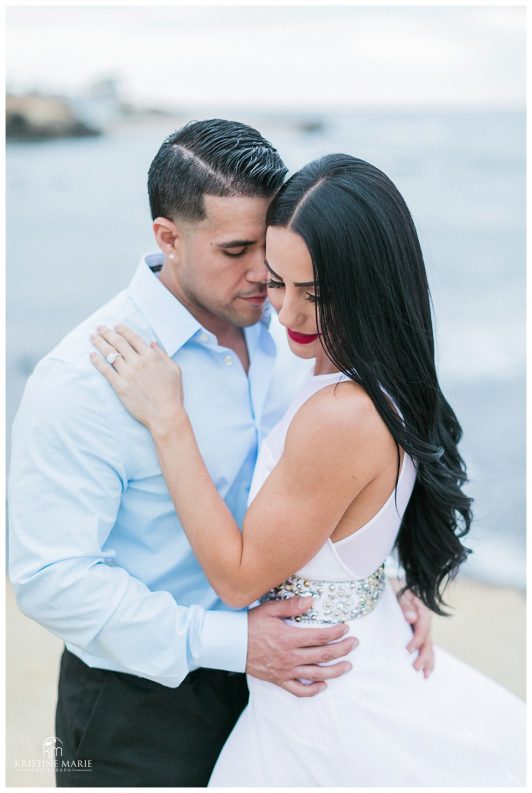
[213, 157]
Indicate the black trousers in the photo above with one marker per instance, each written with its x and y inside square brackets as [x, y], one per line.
[120, 730]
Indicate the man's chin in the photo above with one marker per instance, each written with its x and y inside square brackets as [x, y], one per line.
[247, 316]
[246, 322]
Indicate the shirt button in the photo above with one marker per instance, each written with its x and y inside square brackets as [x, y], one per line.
[204, 337]
[228, 360]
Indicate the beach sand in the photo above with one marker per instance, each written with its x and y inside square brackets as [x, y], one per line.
[487, 630]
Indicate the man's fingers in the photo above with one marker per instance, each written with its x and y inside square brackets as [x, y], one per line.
[317, 673]
[408, 606]
[429, 668]
[415, 643]
[302, 689]
[421, 631]
[308, 637]
[326, 653]
[290, 607]
[317, 637]
[424, 657]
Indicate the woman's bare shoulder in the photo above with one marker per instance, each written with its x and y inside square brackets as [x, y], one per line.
[340, 421]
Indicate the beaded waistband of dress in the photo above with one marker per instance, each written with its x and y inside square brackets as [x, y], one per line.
[333, 601]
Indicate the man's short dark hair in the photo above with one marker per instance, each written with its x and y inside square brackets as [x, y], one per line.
[214, 157]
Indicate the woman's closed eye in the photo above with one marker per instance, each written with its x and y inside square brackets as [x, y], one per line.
[271, 284]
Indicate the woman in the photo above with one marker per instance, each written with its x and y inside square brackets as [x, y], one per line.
[365, 459]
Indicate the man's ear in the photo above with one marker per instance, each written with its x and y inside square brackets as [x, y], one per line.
[167, 235]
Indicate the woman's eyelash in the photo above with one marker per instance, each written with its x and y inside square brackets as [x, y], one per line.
[235, 255]
[279, 285]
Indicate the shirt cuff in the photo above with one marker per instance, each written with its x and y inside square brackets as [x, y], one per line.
[224, 640]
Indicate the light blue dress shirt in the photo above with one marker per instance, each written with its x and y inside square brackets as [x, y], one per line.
[97, 554]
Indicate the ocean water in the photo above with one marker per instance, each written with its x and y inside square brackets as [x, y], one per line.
[78, 220]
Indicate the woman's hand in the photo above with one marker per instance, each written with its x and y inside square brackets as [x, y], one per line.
[144, 377]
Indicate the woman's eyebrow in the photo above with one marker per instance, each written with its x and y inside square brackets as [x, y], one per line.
[272, 271]
[306, 284]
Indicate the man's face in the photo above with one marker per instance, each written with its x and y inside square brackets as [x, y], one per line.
[219, 265]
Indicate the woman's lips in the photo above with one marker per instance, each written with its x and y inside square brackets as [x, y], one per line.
[302, 338]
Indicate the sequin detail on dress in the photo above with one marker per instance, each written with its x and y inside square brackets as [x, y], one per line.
[334, 601]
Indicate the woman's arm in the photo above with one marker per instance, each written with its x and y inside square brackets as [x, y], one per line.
[296, 509]
[335, 445]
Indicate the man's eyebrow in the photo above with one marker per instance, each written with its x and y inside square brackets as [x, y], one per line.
[235, 244]
[306, 284]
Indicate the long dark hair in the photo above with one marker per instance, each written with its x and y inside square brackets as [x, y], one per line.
[374, 314]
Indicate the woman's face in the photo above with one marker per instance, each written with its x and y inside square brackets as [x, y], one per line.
[292, 290]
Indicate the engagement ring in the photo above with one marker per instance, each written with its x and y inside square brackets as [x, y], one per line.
[111, 358]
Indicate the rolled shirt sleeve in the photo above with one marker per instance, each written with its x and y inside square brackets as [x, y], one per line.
[66, 482]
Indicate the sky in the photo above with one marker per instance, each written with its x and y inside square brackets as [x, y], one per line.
[318, 57]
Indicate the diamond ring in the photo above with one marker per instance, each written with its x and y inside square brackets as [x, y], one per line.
[111, 358]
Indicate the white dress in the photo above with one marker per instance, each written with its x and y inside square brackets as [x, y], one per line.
[382, 723]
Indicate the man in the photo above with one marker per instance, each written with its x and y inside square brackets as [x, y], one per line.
[151, 679]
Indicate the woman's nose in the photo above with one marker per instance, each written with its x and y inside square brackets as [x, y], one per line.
[289, 313]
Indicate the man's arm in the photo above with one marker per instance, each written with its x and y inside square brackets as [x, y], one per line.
[65, 485]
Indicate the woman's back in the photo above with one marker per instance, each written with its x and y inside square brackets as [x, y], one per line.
[363, 551]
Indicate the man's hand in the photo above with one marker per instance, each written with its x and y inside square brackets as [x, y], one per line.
[420, 619]
[282, 654]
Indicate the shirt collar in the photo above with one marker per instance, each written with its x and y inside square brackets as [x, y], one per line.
[266, 315]
[173, 324]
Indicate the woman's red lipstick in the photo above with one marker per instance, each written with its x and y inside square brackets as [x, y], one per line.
[302, 338]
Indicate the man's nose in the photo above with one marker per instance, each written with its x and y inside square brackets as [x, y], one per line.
[257, 272]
